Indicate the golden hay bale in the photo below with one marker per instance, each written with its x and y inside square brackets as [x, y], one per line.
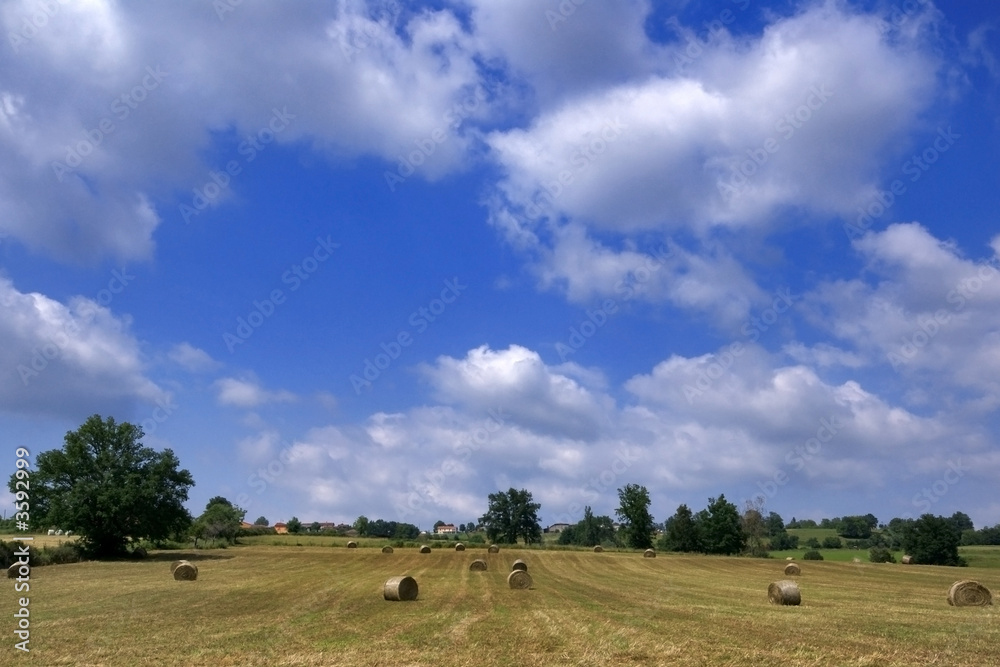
[425, 549]
[519, 580]
[478, 565]
[598, 549]
[855, 560]
[139, 552]
[907, 560]
[459, 547]
[969, 593]
[400, 589]
[519, 565]
[173, 566]
[792, 568]
[15, 570]
[494, 549]
[387, 549]
[649, 553]
[789, 558]
[186, 572]
[784, 592]
[352, 545]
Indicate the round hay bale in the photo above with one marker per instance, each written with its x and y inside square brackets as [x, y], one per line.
[789, 558]
[598, 549]
[519, 580]
[459, 547]
[186, 571]
[425, 549]
[173, 566]
[519, 565]
[387, 549]
[907, 560]
[784, 592]
[792, 568]
[478, 565]
[139, 552]
[352, 545]
[649, 553]
[14, 570]
[855, 560]
[494, 549]
[400, 589]
[969, 593]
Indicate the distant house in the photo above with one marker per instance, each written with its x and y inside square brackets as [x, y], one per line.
[446, 528]
[281, 528]
[557, 528]
[327, 525]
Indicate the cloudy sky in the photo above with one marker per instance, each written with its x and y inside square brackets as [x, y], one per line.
[385, 258]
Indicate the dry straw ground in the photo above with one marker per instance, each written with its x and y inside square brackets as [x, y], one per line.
[268, 605]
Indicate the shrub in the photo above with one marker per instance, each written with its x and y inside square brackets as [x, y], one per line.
[881, 555]
[813, 543]
[783, 541]
[832, 542]
[812, 555]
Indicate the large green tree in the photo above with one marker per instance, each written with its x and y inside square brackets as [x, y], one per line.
[932, 540]
[590, 531]
[633, 512]
[722, 529]
[682, 532]
[511, 515]
[220, 521]
[108, 488]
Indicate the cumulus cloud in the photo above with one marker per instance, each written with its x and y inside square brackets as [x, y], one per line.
[68, 358]
[156, 86]
[191, 358]
[248, 393]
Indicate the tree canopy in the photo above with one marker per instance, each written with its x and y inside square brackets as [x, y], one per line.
[589, 532]
[220, 521]
[511, 515]
[932, 540]
[722, 529]
[108, 488]
[633, 512]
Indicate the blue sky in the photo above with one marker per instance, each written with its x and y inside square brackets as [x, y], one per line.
[387, 258]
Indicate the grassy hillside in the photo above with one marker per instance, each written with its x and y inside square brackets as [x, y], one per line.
[266, 605]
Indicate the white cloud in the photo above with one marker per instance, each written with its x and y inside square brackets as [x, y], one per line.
[247, 393]
[68, 359]
[192, 359]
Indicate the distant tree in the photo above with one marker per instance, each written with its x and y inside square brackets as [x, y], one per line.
[832, 542]
[633, 512]
[775, 524]
[361, 525]
[461, 527]
[220, 521]
[722, 529]
[881, 555]
[470, 527]
[590, 531]
[855, 527]
[314, 527]
[960, 521]
[261, 521]
[682, 532]
[813, 543]
[812, 555]
[783, 541]
[108, 488]
[872, 521]
[754, 527]
[294, 525]
[438, 524]
[511, 515]
[932, 540]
